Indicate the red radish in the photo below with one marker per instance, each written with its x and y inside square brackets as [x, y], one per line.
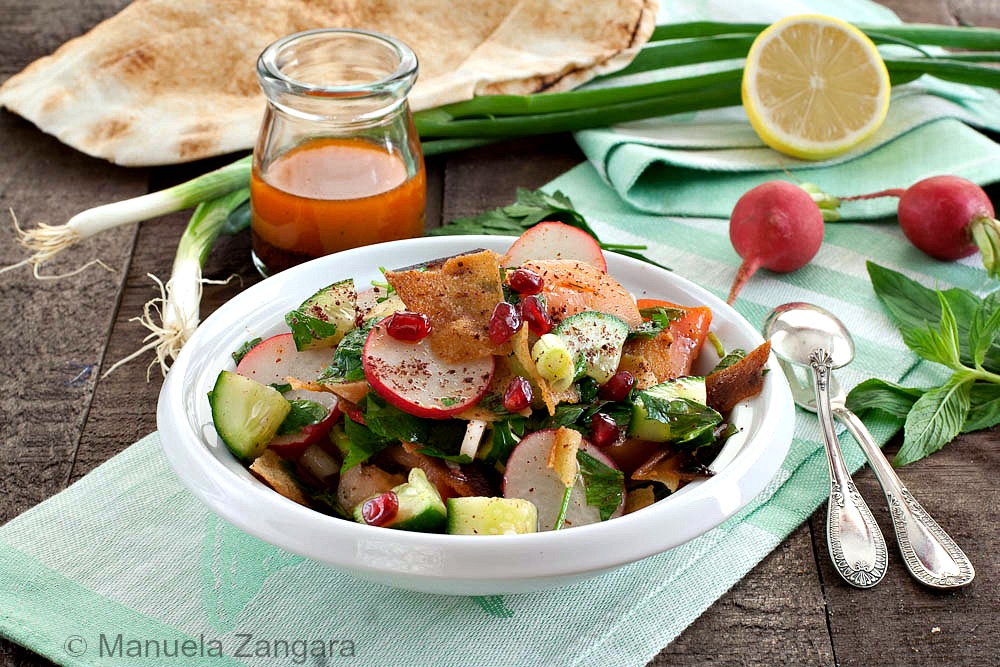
[775, 226]
[415, 380]
[555, 240]
[528, 476]
[275, 359]
[948, 217]
[293, 445]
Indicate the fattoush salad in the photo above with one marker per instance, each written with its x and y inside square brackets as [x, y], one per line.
[484, 394]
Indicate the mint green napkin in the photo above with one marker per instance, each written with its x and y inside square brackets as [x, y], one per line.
[127, 551]
[698, 164]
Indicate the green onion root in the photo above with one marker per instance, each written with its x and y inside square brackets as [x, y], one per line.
[173, 316]
[46, 241]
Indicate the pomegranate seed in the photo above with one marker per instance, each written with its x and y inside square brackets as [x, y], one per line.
[604, 431]
[534, 314]
[407, 326]
[380, 510]
[525, 281]
[504, 322]
[518, 395]
[617, 387]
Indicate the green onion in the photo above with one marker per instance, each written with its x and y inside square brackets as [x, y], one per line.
[711, 97]
[946, 69]
[488, 107]
[179, 305]
[46, 241]
[959, 37]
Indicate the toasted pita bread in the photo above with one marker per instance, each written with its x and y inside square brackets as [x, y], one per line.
[164, 82]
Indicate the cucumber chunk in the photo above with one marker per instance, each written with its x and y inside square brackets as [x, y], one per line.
[597, 339]
[421, 508]
[246, 414]
[673, 411]
[480, 515]
[324, 318]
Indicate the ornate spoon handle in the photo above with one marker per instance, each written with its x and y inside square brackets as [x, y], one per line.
[929, 553]
[857, 547]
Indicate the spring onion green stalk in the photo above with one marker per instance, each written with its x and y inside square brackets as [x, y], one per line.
[958, 37]
[179, 305]
[46, 241]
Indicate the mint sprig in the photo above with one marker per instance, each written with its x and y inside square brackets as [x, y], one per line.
[954, 328]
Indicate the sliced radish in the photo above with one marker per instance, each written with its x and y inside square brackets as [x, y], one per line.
[415, 380]
[274, 359]
[292, 445]
[555, 240]
[528, 476]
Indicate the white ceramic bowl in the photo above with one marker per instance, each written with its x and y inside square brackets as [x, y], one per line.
[452, 564]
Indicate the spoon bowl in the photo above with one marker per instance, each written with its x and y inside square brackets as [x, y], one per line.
[797, 329]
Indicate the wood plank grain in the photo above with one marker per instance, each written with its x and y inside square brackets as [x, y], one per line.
[775, 614]
[54, 332]
[899, 621]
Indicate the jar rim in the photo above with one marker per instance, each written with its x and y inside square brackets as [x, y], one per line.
[402, 75]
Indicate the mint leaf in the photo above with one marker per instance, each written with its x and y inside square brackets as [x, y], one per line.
[939, 345]
[984, 407]
[935, 419]
[886, 397]
[346, 365]
[281, 387]
[604, 485]
[303, 413]
[984, 327]
[912, 306]
[243, 349]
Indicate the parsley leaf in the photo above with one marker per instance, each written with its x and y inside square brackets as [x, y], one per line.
[504, 437]
[687, 419]
[604, 486]
[303, 413]
[733, 357]
[530, 208]
[362, 444]
[346, 365]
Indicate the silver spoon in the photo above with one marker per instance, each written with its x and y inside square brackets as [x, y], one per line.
[802, 334]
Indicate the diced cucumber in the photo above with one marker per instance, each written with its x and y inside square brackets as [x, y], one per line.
[246, 414]
[596, 337]
[689, 418]
[420, 506]
[324, 318]
[480, 515]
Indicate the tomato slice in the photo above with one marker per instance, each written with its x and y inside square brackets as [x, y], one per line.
[687, 336]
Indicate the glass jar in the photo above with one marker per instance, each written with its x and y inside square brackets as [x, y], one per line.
[337, 163]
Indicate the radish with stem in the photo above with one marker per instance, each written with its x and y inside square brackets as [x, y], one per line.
[948, 217]
[778, 226]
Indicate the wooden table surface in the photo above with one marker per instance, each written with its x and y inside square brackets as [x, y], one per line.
[58, 420]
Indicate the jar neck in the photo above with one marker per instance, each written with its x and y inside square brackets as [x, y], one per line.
[337, 77]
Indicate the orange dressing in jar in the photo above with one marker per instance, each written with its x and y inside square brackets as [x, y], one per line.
[330, 194]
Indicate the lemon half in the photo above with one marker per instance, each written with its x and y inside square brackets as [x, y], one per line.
[814, 86]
